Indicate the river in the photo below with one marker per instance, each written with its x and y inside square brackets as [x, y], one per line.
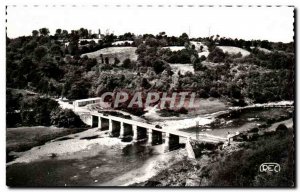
[95, 170]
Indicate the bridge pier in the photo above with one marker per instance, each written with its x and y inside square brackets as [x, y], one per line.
[114, 128]
[156, 137]
[122, 131]
[95, 121]
[171, 142]
[110, 126]
[138, 133]
[103, 124]
[142, 133]
[150, 136]
[99, 123]
[135, 133]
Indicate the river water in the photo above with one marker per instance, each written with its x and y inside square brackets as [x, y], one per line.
[243, 120]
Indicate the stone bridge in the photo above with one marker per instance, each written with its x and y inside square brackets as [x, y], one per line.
[139, 131]
[122, 127]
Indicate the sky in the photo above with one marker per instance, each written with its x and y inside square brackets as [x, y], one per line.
[264, 23]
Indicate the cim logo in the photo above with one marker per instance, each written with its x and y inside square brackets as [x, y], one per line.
[269, 167]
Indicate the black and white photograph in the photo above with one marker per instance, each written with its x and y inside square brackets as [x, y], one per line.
[150, 96]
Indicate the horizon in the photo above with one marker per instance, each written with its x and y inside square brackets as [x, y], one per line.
[52, 33]
[21, 21]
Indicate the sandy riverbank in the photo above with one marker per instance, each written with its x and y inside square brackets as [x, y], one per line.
[70, 146]
[85, 158]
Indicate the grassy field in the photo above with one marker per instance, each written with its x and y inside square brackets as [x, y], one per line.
[234, 50]
[201, 107]
[183, 68]
[121, 53]
[207, 106]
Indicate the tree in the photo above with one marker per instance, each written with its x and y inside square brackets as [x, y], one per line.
[36, 111]
[198, 66]
[65, 34]
[106, 60]
[145, 84]
[65, 118]
[158, 66]
[216, 56]
[116, 61]
[202, 58]
[281, 128]
[83, 33]
[79, 90]
[73, 45]
[55, 50]
[213, 92]
[203, 94]
[127, 63]
[35, 33]
[44, 31]
[40, 52]
[183, 39]
[101, 57]
[58, 33]
[89, 63]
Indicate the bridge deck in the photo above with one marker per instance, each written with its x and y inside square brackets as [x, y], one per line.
[204, 137]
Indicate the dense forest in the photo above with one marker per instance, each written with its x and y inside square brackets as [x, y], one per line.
[53, 66]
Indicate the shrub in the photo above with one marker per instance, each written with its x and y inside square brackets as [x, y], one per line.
[202, 58]
[281, 128]
[116, 61]
[182, 110]
[216, 56]
[203, 94]
[65, 118]
[127, 63]
[240, 168]
[213, 92]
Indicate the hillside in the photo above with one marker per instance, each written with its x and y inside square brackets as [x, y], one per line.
[45, 65]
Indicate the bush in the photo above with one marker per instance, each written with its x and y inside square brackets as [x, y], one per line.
[281, 128]
[182, 110]
[158, 66]
[36, 111]
[116, 61]
[240, 168]
[65, 118]
[168, 113]
[127, 63]
[213, 92]
[202, 58]
[216, 56]
[203, 94]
